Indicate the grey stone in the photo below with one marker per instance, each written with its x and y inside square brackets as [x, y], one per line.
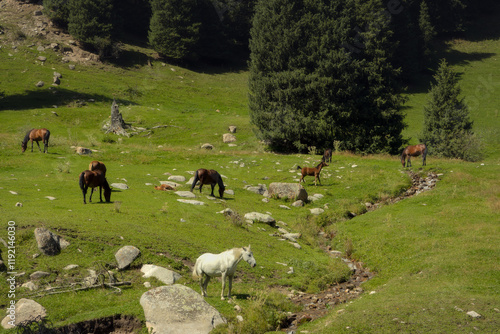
[316, 211]
[186, 194]
[177, 309]
[121, 186]
[260, 189]
[293, 191]
[190, 201]
[232, 129]
[177, 178]
[298, 203]
[228, 138]
[25, 310]
[40, 84]
[261, 218]
[126, 255]
[48, 242]
[207, 146]
[163, 274]
[70, 267]
[39, 274]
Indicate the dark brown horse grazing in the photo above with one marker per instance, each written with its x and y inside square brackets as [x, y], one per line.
[414, 151]
[97, 165]
[210, 177]
[37, 135]
[312, 171]
[327, 156]
[94, 179]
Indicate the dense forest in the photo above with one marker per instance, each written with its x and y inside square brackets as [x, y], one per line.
[322, 73]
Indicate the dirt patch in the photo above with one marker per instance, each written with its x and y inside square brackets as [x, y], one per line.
[117, 324]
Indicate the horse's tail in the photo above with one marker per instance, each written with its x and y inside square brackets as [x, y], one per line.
[82, 180]
[46, 136]
[196, 273]
[196, 178]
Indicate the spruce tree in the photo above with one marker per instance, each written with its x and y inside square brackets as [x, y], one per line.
[319, 73]
[91, 23]
[447, 128]
[174, 32]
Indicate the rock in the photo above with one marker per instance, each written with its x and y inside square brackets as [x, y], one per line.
[71, 67]
[42, 58]
[177, 309]
[29, 285]
[39, 274]
[170, 183]
[190, 201]
[261, 218]
[70, 267]
[293, 191]
[19, 204]
[260, 189]
[316, 211]
[40, 84]
[298, 203]
[121, 186]
[83, 151]
[228, 138]
[48, 242]
[227, 212]
[315, 197]
[163, 274]
[126, 255]
[37, 13]
[284, 207]
[232, 129]
[207, 146]
[229, 192]
[474, 314]
[25, 310]
[186, 194]
[291, 236]
[56, 81]
[51, 198]
[13, 192]
[177, 178]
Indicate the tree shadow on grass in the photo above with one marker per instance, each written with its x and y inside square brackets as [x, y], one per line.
[46, 98]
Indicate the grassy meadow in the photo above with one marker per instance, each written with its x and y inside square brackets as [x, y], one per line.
[436, 255]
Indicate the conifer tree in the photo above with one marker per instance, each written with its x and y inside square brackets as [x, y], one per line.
[319, 72]
[447, 126]
[174, 31]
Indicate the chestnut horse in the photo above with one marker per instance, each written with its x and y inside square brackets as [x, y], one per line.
[312, 171]
[94, 179]
[37, 135]
[97, 165]
[210, 177]
[414, 151]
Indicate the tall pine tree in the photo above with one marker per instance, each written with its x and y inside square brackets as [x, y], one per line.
[447, 126]
[319, 73]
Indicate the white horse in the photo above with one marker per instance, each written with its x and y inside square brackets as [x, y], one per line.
[209, 265]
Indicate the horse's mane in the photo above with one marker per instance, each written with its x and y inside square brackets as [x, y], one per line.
[319, 164]
[27, 137]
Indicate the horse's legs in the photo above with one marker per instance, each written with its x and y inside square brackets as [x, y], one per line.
[213, 186]
[38, 146]
[424, 163]
[46, 146]
[91, 192]
[84, 192]
[319, 179]
[100, 193]
[230, 285]
[408, 164]
[223, 285]
[201, 185]
[204, 284]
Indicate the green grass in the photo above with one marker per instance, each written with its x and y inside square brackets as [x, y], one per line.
[432, 254]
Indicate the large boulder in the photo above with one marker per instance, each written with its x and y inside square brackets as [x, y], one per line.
[177, 309]
[293, 191]
[23, 310]
[163, 274]
[260, 218]
[126, 255]
[48, 242]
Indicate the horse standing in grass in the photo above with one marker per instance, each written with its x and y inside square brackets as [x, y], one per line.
[37, 135]
[327, 156]
[94, 179]
[414, 151]
[312, 171]
[222, 265]
[97, 165]
[210, 177]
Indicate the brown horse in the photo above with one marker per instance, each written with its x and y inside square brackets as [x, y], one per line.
[97, 165]
[37, 135]
[312, 171]
[94, 179]
[210, 177]
[327, 156]
[414, 151]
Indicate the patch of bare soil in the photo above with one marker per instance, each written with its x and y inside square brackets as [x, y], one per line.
[315, 306]
[117, 324]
